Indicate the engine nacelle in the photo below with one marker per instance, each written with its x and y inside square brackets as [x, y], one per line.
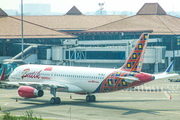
[29, 92]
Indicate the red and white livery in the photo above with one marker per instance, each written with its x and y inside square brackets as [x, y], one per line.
[82, 80]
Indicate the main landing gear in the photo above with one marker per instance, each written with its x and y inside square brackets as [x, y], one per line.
[54, 100]
[57, 100]
[90, 98]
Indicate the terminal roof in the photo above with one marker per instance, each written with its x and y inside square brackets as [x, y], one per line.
[74, 11]
[151, 9]
[159, 22]
[11, 28]
[2, 13]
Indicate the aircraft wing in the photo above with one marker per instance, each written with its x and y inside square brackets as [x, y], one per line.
[9, 83]
[65, 87]
[43, 84]
[36, 84]
[129, 79]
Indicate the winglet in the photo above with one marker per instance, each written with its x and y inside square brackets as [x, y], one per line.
[2, 78]
[169, 67]
[136, 57]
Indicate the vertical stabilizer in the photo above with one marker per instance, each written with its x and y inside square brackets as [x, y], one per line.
[169, 67]
[2, 78]
[136, 57]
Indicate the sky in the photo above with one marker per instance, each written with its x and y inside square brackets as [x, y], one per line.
[93, 5]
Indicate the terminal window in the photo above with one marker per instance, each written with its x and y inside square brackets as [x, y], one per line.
[106, 55]
[116, 55]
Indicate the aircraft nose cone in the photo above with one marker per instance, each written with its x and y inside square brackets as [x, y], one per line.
[153, 77]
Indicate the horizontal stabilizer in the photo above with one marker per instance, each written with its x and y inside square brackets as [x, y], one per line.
[129, 79]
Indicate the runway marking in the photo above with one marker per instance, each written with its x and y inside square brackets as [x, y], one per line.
[168, 96]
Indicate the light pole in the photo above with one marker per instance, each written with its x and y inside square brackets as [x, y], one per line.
[22, 31]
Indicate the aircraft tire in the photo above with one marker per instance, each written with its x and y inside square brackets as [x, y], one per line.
[90, 98]
[57, 100]
[93, 98]
[87, 98]
[52, 101]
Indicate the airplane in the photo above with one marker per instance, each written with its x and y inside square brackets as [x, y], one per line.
[33, 78]
[166, 74]
[2, 77]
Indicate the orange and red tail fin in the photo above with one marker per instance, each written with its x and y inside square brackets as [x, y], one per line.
[2, 78]
[136, 57]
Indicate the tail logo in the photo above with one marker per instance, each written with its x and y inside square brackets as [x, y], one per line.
[135, 59]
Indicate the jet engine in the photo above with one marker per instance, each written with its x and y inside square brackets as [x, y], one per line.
[29, 92]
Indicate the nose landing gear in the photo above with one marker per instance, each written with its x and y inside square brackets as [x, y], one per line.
[90, 98]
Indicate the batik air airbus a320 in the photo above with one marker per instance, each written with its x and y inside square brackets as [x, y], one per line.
[82, 80]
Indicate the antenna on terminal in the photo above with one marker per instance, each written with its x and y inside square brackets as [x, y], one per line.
[101, 7]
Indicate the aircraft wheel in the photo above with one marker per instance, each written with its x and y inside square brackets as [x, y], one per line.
[52, 101]
[93, 98]
[90, 98]
[57, 100]
[87, 98]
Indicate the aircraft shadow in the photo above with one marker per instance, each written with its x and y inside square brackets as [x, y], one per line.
[37, 103]
[129, 110]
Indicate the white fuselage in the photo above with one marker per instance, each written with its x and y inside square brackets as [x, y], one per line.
[86, 78]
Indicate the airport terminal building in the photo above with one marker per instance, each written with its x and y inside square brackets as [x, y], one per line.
[75, 39]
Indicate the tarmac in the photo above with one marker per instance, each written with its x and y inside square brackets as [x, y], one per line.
[157, 100]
